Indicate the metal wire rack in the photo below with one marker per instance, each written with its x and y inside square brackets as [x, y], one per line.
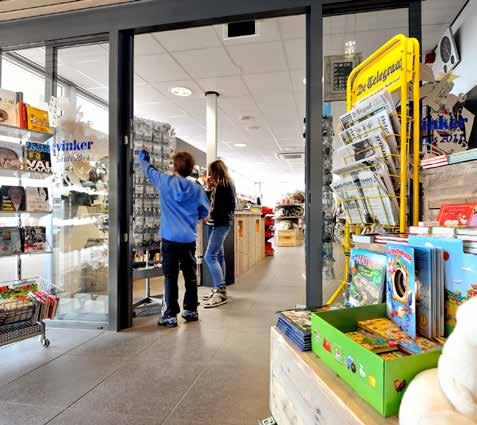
[24, 318]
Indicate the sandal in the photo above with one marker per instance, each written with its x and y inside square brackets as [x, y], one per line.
[219, 297]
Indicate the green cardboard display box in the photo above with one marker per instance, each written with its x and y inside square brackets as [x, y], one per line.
[379, 382]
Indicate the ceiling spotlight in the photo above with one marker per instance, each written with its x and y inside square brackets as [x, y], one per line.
[350, 47]
[304, 81]
[181, 91]
[240, 145]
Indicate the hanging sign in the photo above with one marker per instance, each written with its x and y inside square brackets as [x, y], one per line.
[384, 69]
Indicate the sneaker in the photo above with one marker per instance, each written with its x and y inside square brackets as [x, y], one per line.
[170, 322]
[190, 316]
[208, 296]
[219, 297]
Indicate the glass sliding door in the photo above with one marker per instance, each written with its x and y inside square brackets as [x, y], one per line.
[80, 202]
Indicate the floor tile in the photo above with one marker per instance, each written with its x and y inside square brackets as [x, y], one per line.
[74, 416]
[16, 414]
[143, 390]
[61, 381]
[225, 393]
[122, 344]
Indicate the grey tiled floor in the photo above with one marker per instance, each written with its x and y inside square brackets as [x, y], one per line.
[211, 372]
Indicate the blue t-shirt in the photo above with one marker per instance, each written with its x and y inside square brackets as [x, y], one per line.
[183, 204]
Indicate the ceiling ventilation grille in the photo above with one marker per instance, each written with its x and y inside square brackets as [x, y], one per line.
[241, 29]
[288, 156]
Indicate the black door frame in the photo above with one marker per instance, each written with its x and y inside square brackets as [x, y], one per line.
[121, 22]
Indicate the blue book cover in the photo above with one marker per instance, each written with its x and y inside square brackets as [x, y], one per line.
[424, 309]
[401, 287]
[460, 271]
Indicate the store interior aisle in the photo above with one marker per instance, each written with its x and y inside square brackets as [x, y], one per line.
[215, 371]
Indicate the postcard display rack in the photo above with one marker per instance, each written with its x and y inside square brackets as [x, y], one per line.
[373, 164]
[26, 299]
[159, 140]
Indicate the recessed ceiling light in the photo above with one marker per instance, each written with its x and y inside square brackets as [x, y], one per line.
[181, 91]
[253, 128]
[247, 118]
[240, 145]
[304, 81]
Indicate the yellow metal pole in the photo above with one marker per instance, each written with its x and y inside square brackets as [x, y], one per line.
[416, 131]
[347, 249]
[404, 156]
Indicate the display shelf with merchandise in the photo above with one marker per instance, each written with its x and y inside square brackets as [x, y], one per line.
[27, 254]
[27, 174]
[24, 134]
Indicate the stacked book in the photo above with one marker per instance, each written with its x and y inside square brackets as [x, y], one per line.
[470, 155]
[435, 161]
[296, 325]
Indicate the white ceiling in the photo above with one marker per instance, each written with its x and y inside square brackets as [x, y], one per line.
[261, 77]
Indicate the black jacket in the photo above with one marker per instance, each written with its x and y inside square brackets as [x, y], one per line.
[222, 200]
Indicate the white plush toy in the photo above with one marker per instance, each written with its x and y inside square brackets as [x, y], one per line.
[447, 395]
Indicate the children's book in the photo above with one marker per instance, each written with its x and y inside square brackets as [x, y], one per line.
[11, 155]
[401, 287]
[392, 355]
[424, 281]
[367, 278]
[383, 327]
[10, 241]
[8, 107]
[12, 198]
[37, 199]
[460, 273]
[371, 341]
[34, 239]
[37, 157]
[418, 345]
[37, 119]
[458, 215]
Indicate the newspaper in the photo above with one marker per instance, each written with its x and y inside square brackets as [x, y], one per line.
[371, 105]
[379, 120]
[364, 150]
[366, 199]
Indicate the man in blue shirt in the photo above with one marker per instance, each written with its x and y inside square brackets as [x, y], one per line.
[183, 204]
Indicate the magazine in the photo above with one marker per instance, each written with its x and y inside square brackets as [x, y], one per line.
[401, 287]
[38, 157]
[367, 278]
[37, 119]
[34, 239]
[10, 241]
[10, 155]
[8, 107]
[37, 199]
[12, 198]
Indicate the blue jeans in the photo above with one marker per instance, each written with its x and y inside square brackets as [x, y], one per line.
[214, 257]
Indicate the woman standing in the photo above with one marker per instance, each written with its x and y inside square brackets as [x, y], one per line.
[222, 201]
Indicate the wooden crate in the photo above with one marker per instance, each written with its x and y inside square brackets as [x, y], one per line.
[304, 391]
[290, 238]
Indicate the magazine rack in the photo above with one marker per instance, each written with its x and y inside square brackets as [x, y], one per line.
[394, 66]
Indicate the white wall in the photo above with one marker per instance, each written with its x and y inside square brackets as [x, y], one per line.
[465, 31]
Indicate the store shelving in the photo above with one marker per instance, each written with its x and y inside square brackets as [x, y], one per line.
[24, 134]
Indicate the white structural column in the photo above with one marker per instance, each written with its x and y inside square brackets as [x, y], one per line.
[212, 97]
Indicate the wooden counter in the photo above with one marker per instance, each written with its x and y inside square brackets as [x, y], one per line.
[249, 240]
[304, 391]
